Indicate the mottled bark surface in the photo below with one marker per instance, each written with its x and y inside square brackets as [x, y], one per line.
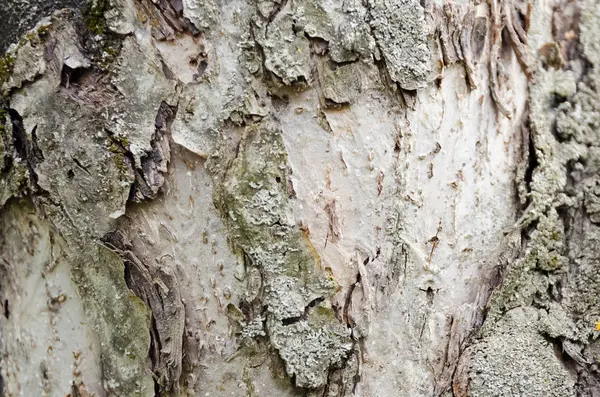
[299, 198]
[18, 16]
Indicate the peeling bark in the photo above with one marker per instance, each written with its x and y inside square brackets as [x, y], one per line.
[378, 198]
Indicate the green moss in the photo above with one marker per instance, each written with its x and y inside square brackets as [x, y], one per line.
[121, 320]
[321, 315]
[94, 16]
[251, 192]
[118, 143]
[7, 62]
[118, 146]
[3, 119]
[256, 208]
[121, 163]
[250, 389]
[36, 37]
[43, 31]
[110, 51]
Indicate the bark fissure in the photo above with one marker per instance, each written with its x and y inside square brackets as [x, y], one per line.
[278, 289]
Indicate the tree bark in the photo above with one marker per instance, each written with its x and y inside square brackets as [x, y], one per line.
[299, 198]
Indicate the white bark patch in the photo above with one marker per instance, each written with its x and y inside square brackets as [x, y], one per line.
[449, 183]
[46, 343]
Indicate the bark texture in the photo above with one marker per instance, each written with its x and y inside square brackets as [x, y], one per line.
[299, 198]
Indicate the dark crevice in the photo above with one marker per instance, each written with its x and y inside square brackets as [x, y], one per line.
[149, 179]
[37, 153]
[20, 142]
[80, 165]
[6, 309]
[119, 148]
[356, 379]
[169, 75]
[567, 361]
[532, 164]
[333, 105]
[276, 10]
[318, 46]
[277, 223]
[202, 66]
[44, 371]
[506, 51]
[326, 388]
[555, 291]
[478, 38]
[304, 316]
[292, 320]
[6, 140]
[69, 76]
[430, 295]
[526, 232]
[314, 303]
[24, 148]
[564, 213]
[8, 164]
[348, 300]
[556, 100]
[573, 177]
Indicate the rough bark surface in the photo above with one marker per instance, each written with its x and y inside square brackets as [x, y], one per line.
[299, 198]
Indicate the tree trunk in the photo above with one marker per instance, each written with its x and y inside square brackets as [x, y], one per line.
[299, 198]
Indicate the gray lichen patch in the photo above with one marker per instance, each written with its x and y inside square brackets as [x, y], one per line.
[314, 18]
[353, 39]
[581, 298]
[88, 176]
[77, 171]
[254, 203]
[286, 52]
[400, 29]
[546, 300]
[120, 15]
[310, 350]
[517, 360]
[286, 34]
[203, 14]
[545, 252]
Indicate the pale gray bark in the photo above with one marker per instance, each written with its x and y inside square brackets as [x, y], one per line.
[299, 198]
